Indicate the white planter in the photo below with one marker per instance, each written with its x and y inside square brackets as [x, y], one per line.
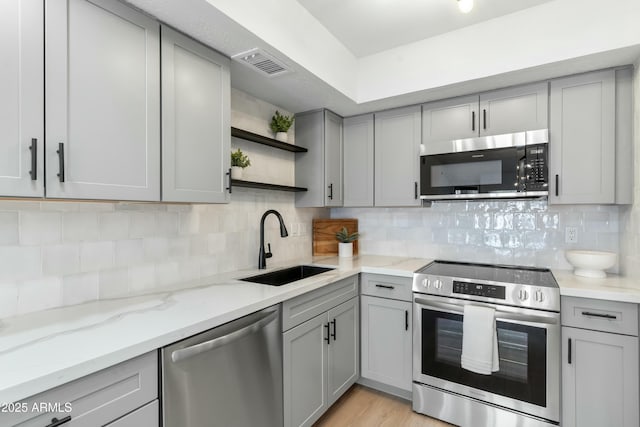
[236, 172]
[345, 250]
[282, 136]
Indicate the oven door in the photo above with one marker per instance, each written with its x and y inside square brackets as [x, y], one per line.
[471, 173]
[528, 344]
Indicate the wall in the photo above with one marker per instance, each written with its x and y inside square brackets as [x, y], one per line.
[62, 253]
[504, 232]
[630, 216]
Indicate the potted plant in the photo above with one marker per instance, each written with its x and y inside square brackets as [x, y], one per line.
[345, 245]
[280, 125]
[239, 161]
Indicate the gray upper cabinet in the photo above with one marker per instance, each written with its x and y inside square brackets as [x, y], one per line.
[195, 121]
[397, 157]
[102, 101]
[514, 109]
[501, 111]
[22, 100]
[320, 169]
[583, 135]
[358, 161]
[455, 118]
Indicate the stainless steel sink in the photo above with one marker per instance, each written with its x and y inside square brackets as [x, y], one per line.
[287, 275]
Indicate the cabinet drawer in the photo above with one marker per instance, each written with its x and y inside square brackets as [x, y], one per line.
[96, 399]
[147, 416]
[600, 315]
[394, 287]
[302, 308]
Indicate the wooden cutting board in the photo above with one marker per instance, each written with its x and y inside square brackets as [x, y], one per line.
[324, 235]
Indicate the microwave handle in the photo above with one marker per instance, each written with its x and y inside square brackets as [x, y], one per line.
[500, 314]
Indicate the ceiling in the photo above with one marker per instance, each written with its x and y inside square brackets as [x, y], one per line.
[366, 27]
[495, 47]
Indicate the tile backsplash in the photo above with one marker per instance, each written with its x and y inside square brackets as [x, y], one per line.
[56, 253]
[506, 232]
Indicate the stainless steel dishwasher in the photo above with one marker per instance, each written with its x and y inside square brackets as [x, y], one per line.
[229, 376]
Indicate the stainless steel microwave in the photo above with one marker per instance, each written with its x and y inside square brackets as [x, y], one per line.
[501, 166]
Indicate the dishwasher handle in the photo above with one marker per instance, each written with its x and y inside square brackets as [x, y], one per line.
[194, 350]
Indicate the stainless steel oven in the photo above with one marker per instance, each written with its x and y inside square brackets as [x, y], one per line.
[525, 391]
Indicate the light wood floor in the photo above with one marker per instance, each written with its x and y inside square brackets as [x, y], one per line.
[364, 407]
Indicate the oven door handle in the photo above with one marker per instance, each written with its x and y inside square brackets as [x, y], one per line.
[500, 314]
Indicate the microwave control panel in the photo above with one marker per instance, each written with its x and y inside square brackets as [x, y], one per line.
[536, 171]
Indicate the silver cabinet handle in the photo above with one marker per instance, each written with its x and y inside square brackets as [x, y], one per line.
[500, 314]
[188, 352]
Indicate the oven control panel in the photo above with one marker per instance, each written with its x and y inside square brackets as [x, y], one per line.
[479, 289]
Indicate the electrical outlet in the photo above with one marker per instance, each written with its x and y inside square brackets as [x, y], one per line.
[571, 235]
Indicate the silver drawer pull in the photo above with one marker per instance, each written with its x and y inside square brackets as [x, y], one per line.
[385, 286]
[602, 315]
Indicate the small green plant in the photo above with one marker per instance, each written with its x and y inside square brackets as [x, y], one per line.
[280, 123]
[238, 158]
[344, 236]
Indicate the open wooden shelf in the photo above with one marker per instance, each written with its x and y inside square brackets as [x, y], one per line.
[265, 186]
[259, 139]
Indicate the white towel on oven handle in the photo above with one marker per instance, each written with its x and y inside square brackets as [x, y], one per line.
[479, 340]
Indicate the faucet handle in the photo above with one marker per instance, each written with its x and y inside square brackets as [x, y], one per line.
[268, 254]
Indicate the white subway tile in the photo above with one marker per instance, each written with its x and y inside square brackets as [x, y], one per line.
[78, 226]
[9, 228]
[61, 259]
[142, 277]
[8, 299]
[167, 224]
[39, 294]
[20, 262]
[37, 228]
[114, 225]
[79, 288]
[168, 273]
[129, 252]
[142, 224]
[96, 255]
[156, 248]
[113, 283]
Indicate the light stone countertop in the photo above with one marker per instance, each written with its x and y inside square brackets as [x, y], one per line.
[613, 287]
[42, 350]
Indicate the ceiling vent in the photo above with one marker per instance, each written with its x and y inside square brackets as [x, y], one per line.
[263, 62]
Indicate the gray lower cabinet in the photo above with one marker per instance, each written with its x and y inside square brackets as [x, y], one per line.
[320, 169]
[386, 333]
[195, 121]
[358, 161]
[590, 134]
[600, 384]
[397, 157]
[124, 395]
[320, 354]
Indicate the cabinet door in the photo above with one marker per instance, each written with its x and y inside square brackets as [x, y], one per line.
[22, 100]
[304, 372]
[195, 121]
[102, 101]
[310, 165]
[358, 161]
[386, 341]
[147, 416]
[514, 109]
[333, 159]
[600, 379]
[344, 356]
[455, 118]
[397, 157]
[582, 139]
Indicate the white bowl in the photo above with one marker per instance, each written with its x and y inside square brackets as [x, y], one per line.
[591, 263]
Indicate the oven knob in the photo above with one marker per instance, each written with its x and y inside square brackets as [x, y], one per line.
[426, 283]
[523, 295]
[539, 296]
[437, 284]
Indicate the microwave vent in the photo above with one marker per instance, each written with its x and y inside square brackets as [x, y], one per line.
[263, 62]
